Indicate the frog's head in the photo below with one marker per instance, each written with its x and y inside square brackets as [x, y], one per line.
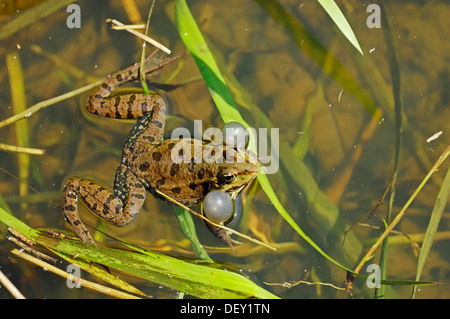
[239, 169]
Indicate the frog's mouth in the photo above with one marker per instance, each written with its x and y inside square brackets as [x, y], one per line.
[235, 191]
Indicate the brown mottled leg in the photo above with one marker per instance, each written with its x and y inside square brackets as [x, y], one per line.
[124, 106]
[102, 202]
[150, 109]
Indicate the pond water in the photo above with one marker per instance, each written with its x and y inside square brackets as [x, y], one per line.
[288, 68]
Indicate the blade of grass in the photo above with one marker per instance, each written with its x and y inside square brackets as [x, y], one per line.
[19, 103]
[66, 275]
[436, 214]
[140, 35]
[144, 45]
[102, 274]
[196, 44]
[5, 282]
[401, 213]
[398, 112]
[198, 280]
[38, 106]
[188, 227]
[11, 221]
[339, 19]
[19, 149]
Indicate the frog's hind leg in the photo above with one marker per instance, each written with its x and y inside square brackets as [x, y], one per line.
[126, 106]
[103, 202]
[148, 128]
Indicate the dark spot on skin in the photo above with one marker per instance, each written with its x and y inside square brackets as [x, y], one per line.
[71, 195]
[117, 101]
[77, 222]
[192, 185]
[130, 114]
[174, 169]
[176, 190]
[105, 211]
[158, 124]
[160, 182]
[170, 145]
[156, 156]
[206, 188]
[119, 78]
[201, 173]
[70, 208]
[98, 96]
[156, 145]
[144, 166]
[138, 196]
[181, 152]
[106, 86]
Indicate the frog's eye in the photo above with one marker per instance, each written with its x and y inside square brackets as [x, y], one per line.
[227, 178]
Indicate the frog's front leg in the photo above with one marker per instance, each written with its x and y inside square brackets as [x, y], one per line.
[103, 202]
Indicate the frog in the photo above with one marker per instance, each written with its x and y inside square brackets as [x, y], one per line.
[147, 162]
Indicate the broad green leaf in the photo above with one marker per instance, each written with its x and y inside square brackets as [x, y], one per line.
[188, 227]
[339, 19]
[436, 214]
[197, 280]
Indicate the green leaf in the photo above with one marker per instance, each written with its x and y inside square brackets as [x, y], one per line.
[197, 280]
[339, 19]
[196, 44]
[438, 209]
[188, 227]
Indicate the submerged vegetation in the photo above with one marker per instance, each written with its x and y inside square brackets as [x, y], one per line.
[300, 210]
